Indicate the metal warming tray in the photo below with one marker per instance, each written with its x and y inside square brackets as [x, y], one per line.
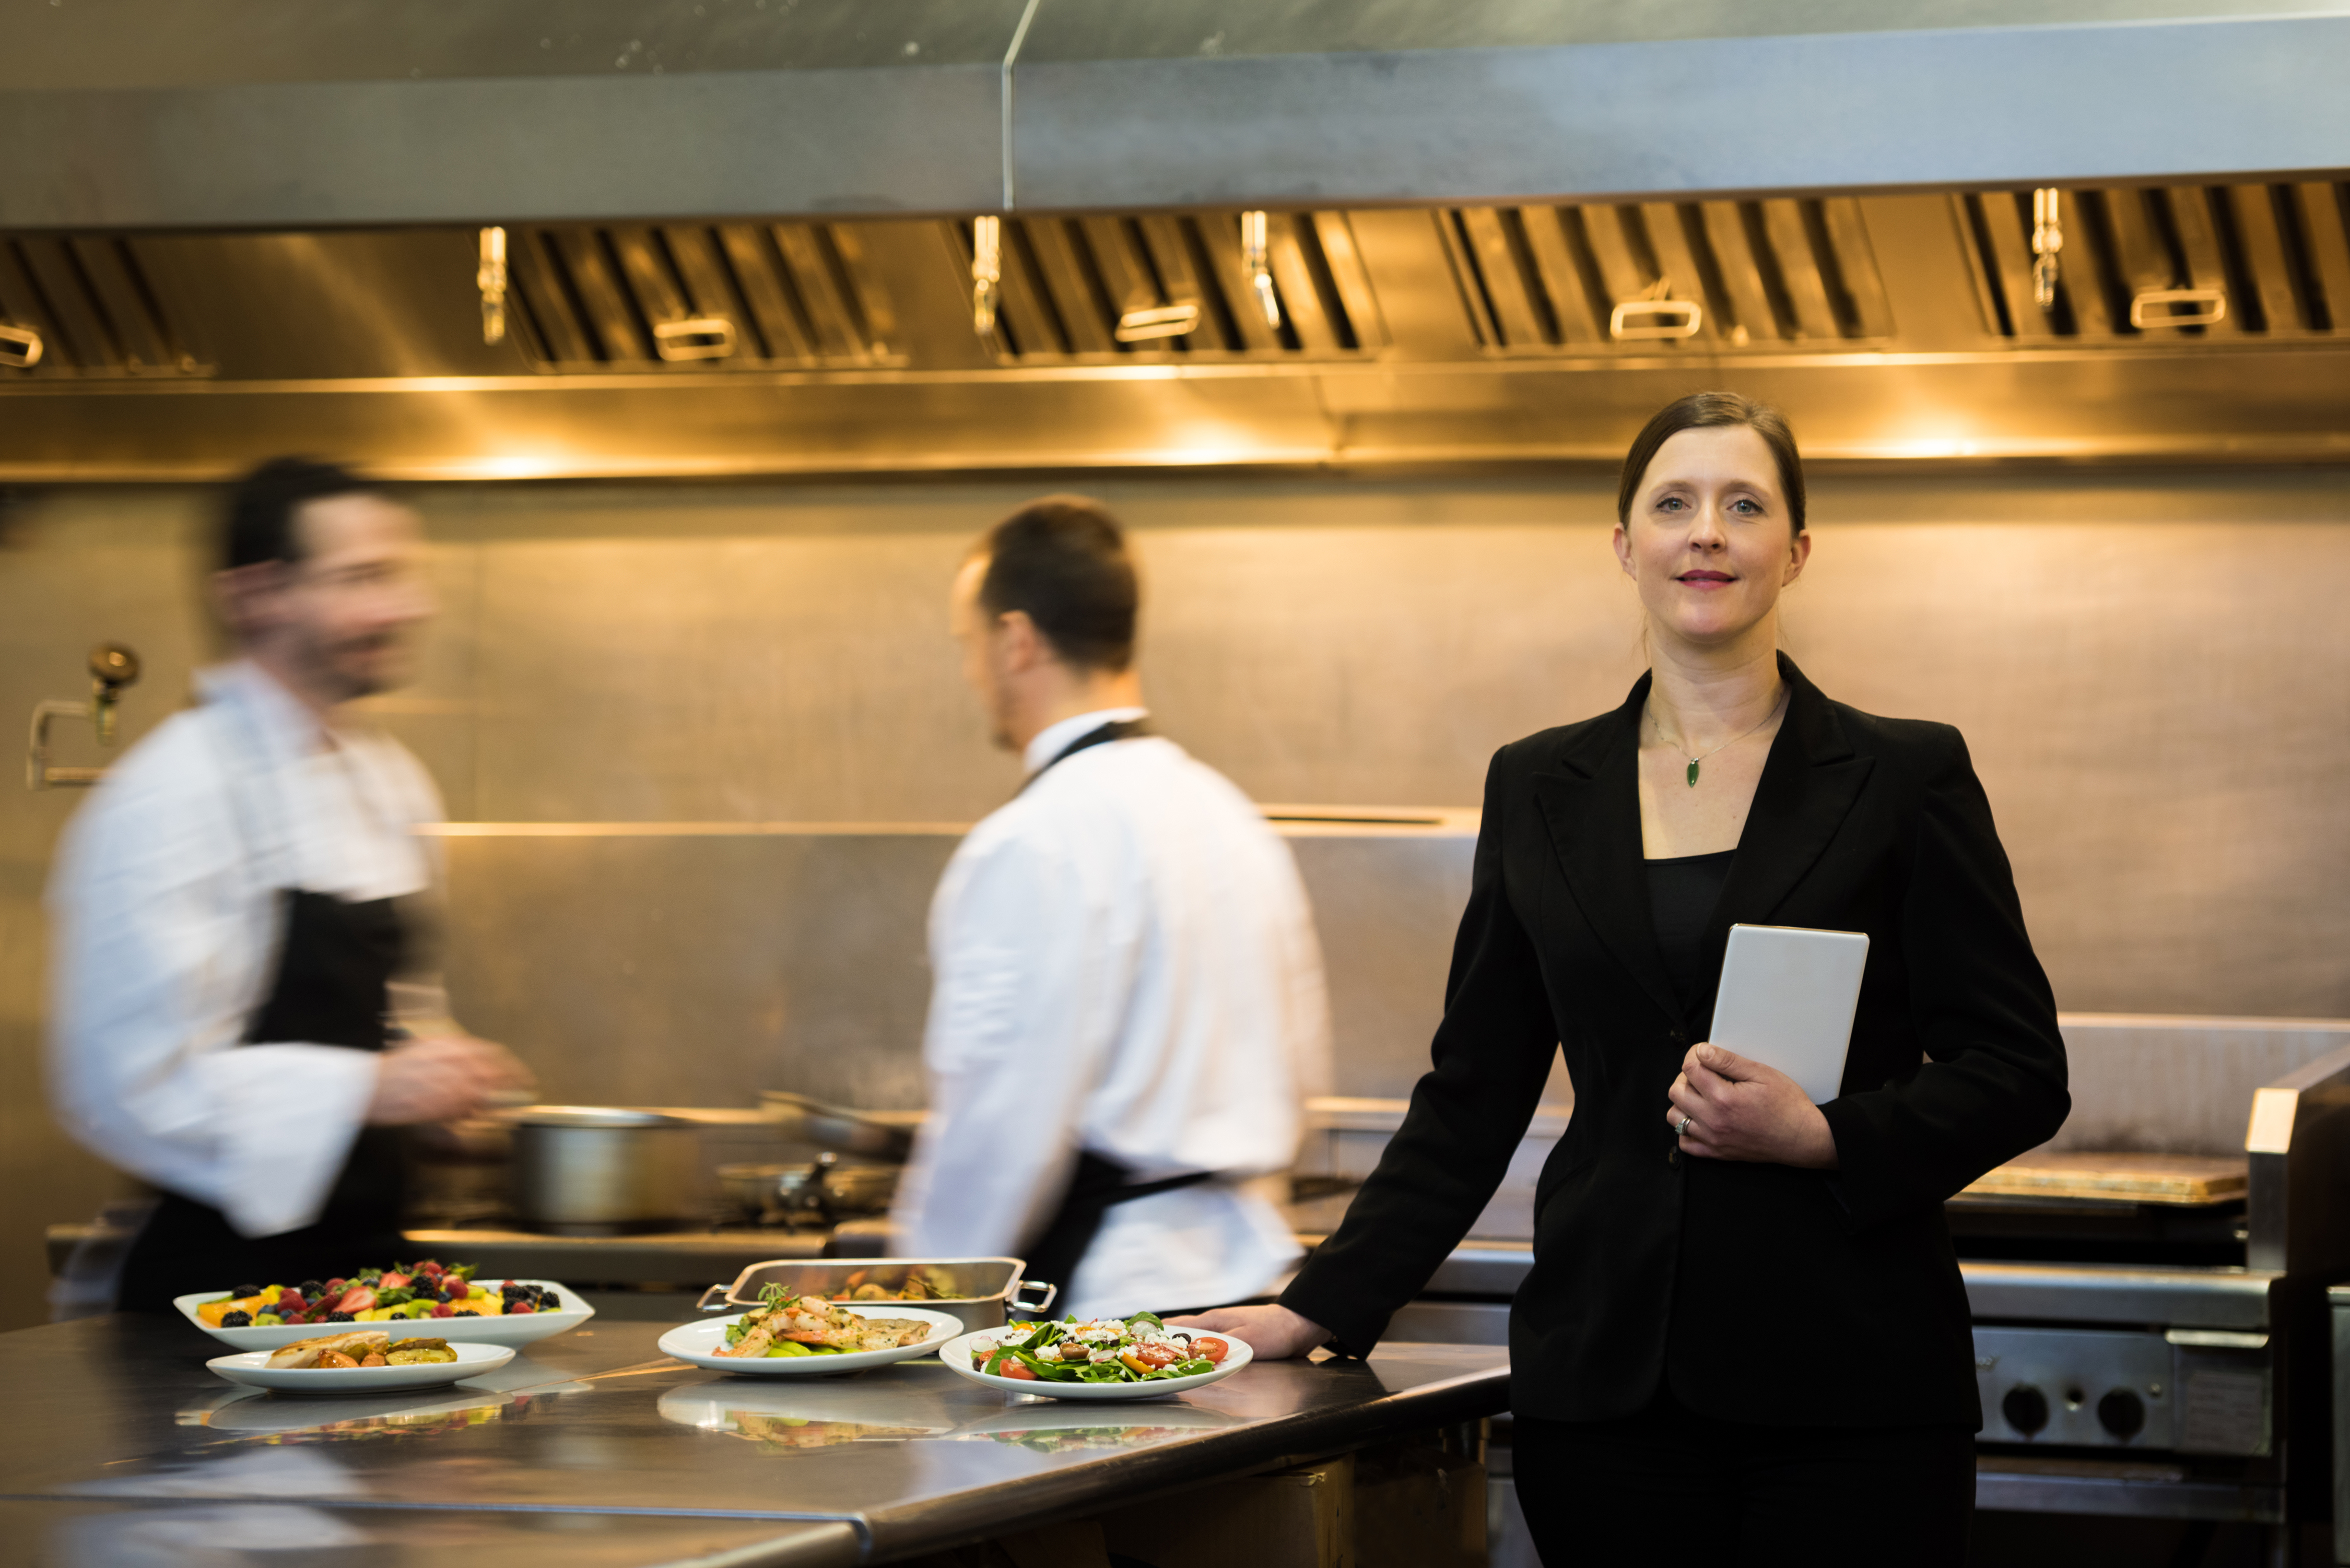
[987, 1289]
[2174, 1179]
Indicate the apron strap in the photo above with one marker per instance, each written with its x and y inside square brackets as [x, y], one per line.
[1116, 730]
[1097, 1186]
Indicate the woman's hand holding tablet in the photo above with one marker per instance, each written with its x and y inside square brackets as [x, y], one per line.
[1727, 1108]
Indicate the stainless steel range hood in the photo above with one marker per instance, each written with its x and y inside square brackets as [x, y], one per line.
[741, 231]
[155, 113]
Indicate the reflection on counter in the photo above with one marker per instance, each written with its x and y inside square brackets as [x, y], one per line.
[251, 1415]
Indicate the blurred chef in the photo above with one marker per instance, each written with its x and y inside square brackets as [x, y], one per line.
[1128, 1009]
[237, 1011]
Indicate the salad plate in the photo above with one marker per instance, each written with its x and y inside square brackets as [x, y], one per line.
[698, 1343]
[501, 1330]
[252, 1368]
[964, 1356]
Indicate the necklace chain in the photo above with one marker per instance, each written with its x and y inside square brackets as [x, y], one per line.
[1777, 708]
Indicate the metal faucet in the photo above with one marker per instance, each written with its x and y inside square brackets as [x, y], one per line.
[113, 667]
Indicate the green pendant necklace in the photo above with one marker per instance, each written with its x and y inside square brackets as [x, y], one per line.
[1776, 708]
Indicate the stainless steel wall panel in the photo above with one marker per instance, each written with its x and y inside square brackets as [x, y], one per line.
[2179, 1086]
[548, 150]
[2043, 103]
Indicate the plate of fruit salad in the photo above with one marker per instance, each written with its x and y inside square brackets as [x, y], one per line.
[485, 1311]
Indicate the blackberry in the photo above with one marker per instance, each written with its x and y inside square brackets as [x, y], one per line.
[310, 1287]
[244, 1291]
[236, 1320]
[341, 1317]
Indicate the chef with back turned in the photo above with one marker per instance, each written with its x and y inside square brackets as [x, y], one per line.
[240, 1014]
[1127, 1007]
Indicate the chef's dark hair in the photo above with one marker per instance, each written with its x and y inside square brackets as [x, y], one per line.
[259, 522]
[1062, 559]
[1713, 410]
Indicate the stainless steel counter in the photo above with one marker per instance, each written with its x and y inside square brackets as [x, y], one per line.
[136, 1446]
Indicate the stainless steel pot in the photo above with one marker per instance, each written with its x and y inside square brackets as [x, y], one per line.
[586, 1171]
[984, 1290]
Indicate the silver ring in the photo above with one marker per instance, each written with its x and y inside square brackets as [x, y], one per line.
[1681, 1128]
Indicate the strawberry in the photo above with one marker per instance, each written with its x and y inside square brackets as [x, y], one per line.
[444, 1310]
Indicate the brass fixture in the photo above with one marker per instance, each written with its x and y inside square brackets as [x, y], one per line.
[491, 280]
[1159, 321]
[1654, 315]
[20, 347]
[986, 272]
[2047, 240]
[113, 667]
[703, 338]
[2178, 307]
[1256, 260]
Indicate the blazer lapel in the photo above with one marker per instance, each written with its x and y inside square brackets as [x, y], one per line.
[1808, 786]
[1591, 805]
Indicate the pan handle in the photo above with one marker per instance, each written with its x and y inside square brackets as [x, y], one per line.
[717, 1290]
[1052, 1294]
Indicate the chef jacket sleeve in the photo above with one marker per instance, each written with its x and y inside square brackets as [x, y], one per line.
[162, 951]
[1994, 1084]
[1029, 967]
[1491, 1056]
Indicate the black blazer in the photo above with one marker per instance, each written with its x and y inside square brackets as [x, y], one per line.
[1756, 1293]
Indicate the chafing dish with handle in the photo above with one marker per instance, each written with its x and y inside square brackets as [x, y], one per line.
[982, 1292]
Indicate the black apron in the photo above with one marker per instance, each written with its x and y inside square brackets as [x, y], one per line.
[335, 966]
[1099, 1184]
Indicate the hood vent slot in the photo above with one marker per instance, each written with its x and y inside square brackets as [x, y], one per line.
[751, 296]
[2157, 264]
[1601, 278]
[1113, 290]
[79, 305]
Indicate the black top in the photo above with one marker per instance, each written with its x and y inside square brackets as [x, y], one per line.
[1682, 892]
[1755, 1292]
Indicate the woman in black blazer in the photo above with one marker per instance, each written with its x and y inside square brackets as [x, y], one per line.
[1744, 1337]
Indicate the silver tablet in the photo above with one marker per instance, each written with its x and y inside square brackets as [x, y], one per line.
[1786, 1001]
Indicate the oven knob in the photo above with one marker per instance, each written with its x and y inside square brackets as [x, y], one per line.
[2025, 1407]
[2122, 1413]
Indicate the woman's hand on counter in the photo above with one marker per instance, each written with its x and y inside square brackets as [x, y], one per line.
[1271, 1333]
[441, 1079]
[1738, 1109]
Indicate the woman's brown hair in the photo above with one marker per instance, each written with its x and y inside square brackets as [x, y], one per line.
[1712, 411]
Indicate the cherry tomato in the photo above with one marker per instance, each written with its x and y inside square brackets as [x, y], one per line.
[1155, 1356]
[1020, 1371]
[1210, 1350]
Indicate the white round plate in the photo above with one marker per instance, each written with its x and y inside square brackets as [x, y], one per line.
[957, 1355]
[499, 1330]
[695, 1342]
[252, 1368]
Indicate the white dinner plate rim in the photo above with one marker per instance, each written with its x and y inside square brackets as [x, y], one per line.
[670, 1344]
[956, 1354]
[251, 1368]
[526, 1329]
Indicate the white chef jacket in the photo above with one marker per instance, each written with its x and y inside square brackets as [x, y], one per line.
[164, 935]
[1124, 962]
